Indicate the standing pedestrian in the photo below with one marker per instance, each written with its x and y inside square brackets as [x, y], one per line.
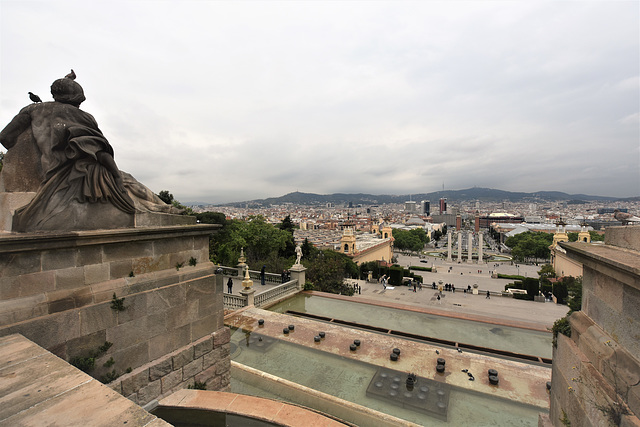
[262, 274]
[230, 285]
[414, 285]
[439, 302]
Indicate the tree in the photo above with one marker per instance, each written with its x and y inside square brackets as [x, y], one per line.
[412, 240]
[309, 252]
[166, 197]
[211, 218]
[1, 159]
[574, 290]
[545, 273]
[290, 246]
[328, 270]
[437, 235]
[530, 245]
[261, 241]
[287, 224]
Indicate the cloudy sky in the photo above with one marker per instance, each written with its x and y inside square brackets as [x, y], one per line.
[226, 101]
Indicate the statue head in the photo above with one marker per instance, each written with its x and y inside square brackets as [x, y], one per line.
[67, 91]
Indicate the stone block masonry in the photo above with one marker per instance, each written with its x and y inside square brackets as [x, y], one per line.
[205, 361]
[596, 371]
[57, 290]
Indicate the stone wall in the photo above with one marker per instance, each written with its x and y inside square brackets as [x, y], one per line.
[43, 274]
[58, 291]
[596, 371]
[206, 360]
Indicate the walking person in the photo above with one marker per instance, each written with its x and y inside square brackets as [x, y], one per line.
[230, 285]
[488, 295]
[414, 285]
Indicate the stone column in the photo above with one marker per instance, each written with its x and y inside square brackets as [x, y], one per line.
[459, 246]
[480, 244]
[449, 246]
[298, 273]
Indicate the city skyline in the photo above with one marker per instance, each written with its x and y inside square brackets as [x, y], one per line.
[226, 102]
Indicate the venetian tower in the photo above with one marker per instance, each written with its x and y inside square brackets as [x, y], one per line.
[560, 234]
[348, 240]
[584, 235]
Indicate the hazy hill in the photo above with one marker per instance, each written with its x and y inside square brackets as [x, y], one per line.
[470, 194]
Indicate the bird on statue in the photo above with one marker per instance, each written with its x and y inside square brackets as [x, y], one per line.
[625, 218]
[71, 75]
[34, 97]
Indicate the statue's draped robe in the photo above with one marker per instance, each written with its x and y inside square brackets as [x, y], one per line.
[77, 192]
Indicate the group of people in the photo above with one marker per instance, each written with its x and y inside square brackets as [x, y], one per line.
[357, 289]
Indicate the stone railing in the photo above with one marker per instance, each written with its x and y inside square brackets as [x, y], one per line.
[273, 294]
[234, 302]
[268, 277]
[229, 271]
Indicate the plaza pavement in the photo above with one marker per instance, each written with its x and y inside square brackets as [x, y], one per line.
[542, 314]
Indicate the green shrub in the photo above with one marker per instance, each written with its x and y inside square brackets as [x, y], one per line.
[395, 276]
[560, 291]
[117, 304]
[510, 276]
[198, 386]
[561, 326]
[85, 364]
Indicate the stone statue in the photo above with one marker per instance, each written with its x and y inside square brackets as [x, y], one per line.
[62, 156]
[298, 254]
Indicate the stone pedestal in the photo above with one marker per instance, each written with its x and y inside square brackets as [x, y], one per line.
[249, 294]
[298, 273]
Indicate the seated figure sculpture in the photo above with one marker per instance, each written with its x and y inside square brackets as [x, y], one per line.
[80, 186]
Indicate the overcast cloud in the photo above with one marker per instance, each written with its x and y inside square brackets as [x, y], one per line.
[228, 101]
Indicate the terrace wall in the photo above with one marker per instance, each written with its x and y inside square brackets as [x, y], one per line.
[58, 290]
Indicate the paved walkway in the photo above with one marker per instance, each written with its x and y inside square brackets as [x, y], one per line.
[461, 275]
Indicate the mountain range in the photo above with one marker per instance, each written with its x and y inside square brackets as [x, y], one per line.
[470, 194]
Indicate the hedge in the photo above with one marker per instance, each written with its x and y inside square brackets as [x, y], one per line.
[510, 276]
